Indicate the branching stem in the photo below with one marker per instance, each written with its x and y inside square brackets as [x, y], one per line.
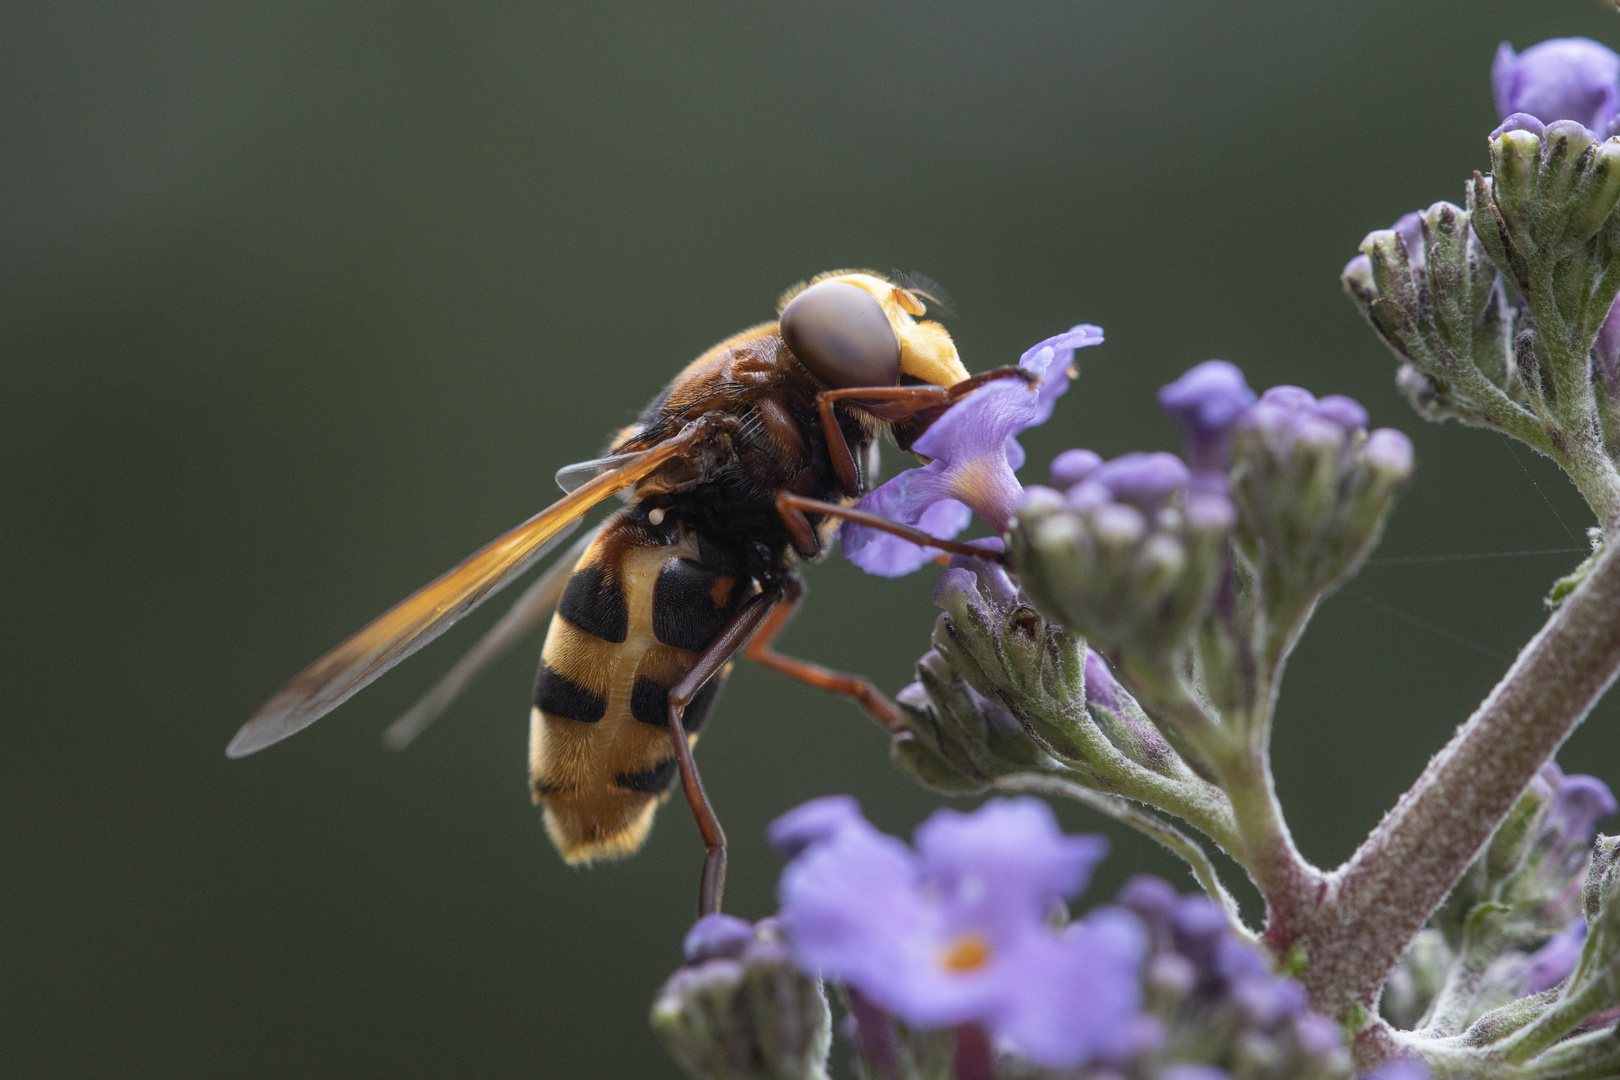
[1372, 906]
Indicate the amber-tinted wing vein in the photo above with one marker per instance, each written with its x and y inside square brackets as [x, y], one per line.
[527, 613]
[433, 609]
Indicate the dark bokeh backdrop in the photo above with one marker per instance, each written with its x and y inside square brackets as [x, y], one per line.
[301, 302]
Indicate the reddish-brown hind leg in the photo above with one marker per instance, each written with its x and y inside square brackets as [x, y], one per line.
[715, 657]
[793, 507]
[861, 690]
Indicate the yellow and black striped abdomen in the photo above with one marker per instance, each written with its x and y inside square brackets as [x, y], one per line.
[635, 615]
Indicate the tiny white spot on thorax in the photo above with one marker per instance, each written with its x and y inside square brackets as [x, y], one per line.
[656, 516]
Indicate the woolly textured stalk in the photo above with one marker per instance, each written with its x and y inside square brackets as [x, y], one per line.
[1374, 904]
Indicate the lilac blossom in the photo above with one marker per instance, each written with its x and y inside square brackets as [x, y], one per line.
[1606, 353]
[1214, 992]
[1292, 411]
[957, 931]
[975, 450]
[1101, 686]
[814, 821]
[1399, 1069]
[716, 936]
[1205, 402]
[1552, 963]
[1562, 79]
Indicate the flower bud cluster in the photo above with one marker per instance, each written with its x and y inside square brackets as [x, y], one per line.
[1222, 1010]
[740, 1009]
[1312, 489]
[1552, 190]
[1003, 691]
[1431, 291]
[1526, 885]
[1129, 554]
[1544, 220]
[1513, 925]
[1567, 1029]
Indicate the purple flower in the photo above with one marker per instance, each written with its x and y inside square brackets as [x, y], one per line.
[814, 821]
[956, 931]
[975, 449]
[1073, 466]
[717, 936]
[1287, 415]
[1606, 353]
[1551, 963]
[1144, 481]
[1186, 1070]
[1582, 801]
[1399, 1069]
[1562, 79]
[1101, 687]
[1205, 402]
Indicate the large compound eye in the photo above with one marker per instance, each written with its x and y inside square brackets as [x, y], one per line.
[840, 333]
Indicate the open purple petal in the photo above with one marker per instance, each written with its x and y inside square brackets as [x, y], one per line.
[1075, 1000]
[813, 822]
[974, 450]
[1008, 860]
[1552, 963]
[852, 909]
[1561, 79]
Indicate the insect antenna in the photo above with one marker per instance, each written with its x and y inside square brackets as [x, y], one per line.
[927, 288]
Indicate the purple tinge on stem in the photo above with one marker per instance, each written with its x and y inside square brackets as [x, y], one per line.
[1606, 353]
[1399, 1069]
[1205, 402]
[1562, 79]
[1101, 688]
[1409, 227]
[1550, 964]
[975, 450]
[957, 931]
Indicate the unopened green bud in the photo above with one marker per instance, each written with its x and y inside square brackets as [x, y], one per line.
[1130, 558]
[1312, 489]
[740, 1009]
[1431, 289]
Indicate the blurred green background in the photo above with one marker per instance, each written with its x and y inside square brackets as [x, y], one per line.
[303, 302]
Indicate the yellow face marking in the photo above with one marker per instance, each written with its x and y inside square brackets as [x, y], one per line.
[926, 349]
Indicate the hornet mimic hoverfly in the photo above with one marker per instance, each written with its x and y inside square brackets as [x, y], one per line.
[741, 467]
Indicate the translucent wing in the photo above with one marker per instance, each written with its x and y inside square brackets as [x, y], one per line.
[433, 609]
[527, 612]
[572, 477]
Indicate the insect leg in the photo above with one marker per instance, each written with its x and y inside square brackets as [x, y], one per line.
[793, 507]
[898, 402]
[866, 695]
[973, 382]
[715, 657]
[905, 399]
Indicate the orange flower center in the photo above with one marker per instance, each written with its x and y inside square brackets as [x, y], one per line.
[970, 952]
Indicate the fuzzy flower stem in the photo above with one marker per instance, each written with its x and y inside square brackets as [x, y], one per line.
[1237, 756]
[1283, 876]
[1150, 825]
[1376, 902]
